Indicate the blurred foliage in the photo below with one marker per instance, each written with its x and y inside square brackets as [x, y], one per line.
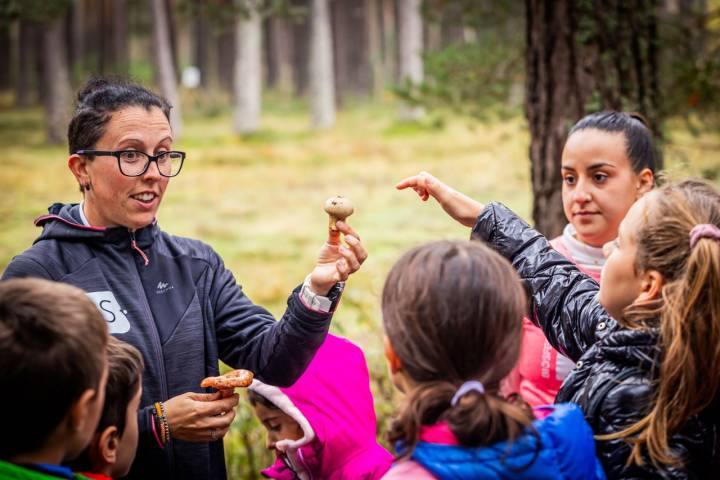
[692, 66]
[223, 13]
[480, 75]
[483, 74]
[32, 10]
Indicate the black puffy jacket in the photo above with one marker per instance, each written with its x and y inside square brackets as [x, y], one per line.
[613, 378]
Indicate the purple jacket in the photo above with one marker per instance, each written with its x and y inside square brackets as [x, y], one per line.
[333, 404]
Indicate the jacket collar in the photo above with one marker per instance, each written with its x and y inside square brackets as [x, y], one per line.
[64, 222]
[632, 347]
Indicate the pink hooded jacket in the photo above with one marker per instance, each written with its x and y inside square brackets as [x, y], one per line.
[333, 404]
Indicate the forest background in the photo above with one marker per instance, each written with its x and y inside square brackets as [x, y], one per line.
[283, 103]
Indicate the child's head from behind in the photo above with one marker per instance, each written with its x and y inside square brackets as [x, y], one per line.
[664, 271]
[113, 446]
[279, 425]
[607, 164]
[452, 312]
[52, 344]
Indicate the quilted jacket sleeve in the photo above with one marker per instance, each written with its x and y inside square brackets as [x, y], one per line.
[563, 300]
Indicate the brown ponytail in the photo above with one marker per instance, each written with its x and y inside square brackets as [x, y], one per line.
[452, 312]
[688, 314]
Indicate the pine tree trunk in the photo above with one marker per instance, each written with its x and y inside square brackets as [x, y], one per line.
[77, 41]
[301, 50]
[226, 58]
[248, 70]
[411, 48]
[5, 57]
[40, 66]
[201, 33]
[389, 41]
[57, 81]
[278, 48]
[322, 88]
[25, 70]
[374, 35]
[351, 55]
[164, 68]
[554, 99]
[120, 36]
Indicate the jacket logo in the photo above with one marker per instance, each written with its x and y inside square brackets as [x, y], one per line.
[108, 305]
[163, 287]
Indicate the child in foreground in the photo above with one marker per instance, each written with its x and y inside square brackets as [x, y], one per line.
[324, 425]
[112, 449]
[452, 313]
[645, 340]
[54, 367]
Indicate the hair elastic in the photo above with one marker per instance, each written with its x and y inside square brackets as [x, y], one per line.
[467, 387]
[704, 230]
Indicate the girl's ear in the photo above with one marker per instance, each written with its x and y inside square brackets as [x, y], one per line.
[394, 363]
[651, 285]
[108, 445]
[645, 182]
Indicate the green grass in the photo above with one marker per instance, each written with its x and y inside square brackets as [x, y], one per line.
[258, 202]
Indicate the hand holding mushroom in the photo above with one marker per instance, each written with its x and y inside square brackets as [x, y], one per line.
[336, 261]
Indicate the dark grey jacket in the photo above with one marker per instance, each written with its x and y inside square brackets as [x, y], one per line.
[615, 370]
[174, 300]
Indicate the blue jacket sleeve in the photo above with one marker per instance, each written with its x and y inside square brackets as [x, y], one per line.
[248, 336]
[24, 266]
[563, 300]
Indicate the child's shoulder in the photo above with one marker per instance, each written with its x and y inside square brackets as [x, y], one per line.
[408, 469]
[12, 471]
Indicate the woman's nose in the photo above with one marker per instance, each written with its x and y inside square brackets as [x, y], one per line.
[152, 172]
[581, 193]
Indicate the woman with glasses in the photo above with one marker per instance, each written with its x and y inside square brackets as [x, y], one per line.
[171, 297]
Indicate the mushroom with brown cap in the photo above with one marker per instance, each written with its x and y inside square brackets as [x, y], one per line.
[339, 208]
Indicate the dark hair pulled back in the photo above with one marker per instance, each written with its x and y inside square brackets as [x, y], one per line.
[638, 137]
[98, 99]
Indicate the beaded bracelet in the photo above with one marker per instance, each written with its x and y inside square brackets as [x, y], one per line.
[154, 431]
[162, 418]
[165, 426]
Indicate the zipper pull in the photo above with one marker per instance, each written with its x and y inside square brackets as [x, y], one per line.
[135, 247]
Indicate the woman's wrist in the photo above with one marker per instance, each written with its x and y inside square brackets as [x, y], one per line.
[160, 424]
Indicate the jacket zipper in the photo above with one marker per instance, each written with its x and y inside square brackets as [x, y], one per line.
[134, 246]
[157, 346]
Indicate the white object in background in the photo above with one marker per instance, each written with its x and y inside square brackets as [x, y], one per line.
[191, 77]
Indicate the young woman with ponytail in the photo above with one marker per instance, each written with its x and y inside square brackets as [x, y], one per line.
[646, 342]
[452, 313]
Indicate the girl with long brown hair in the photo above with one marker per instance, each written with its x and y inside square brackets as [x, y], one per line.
[452, 313]
[646, 342]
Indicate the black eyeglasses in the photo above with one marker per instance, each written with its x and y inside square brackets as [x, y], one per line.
[133, 163]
